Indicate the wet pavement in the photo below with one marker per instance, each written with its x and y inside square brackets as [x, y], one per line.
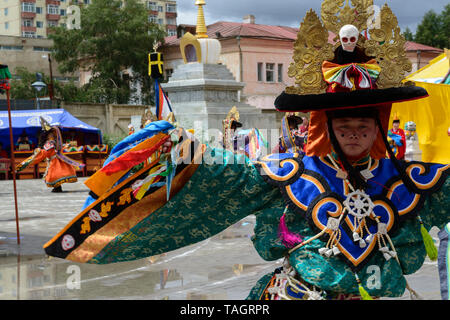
[224, 267]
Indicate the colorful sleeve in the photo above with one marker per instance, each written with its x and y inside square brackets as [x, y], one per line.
[207, 196]
[37, 157]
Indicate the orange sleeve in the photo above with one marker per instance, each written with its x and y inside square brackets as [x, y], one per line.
[40, 154]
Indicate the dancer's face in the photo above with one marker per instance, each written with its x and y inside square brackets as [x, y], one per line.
[355, 135]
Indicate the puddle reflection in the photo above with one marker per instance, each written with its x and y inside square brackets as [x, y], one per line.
[208, 270]
[39, 278]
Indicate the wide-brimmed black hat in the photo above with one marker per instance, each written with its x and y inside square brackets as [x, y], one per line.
[354, 99]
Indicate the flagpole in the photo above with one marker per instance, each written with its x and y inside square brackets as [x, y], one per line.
[13, 165]
[157, 99]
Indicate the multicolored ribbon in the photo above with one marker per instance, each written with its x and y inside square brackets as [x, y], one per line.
[73, 163]
[352, 76]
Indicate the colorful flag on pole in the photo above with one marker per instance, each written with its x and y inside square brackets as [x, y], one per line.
[163, 107]
[5, 75]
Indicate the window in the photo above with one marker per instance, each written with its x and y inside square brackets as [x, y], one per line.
[152, 18]
[171, 7]
[39, 24]
[171, 21]
[151, 5]
[27, 22]
[39, 10]
[160, 8]
[62, 12]
[28, 7]
[280, 72]
[269, 72]
[28, 34]
[6, 25]
[16, 48]
[42, 49]
[51, 23]
[171, 32]
[260, 71]
[87, 1]
[52, 9]
[6, 11]
[160, 21]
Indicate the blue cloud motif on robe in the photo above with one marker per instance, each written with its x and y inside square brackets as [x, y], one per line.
[313, 190]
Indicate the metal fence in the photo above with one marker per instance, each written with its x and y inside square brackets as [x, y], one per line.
[17, 104]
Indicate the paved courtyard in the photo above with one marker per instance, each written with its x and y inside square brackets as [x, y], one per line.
[223, 267]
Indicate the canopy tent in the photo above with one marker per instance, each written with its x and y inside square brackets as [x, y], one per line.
[29, 120]
[435, 71]
[432, 114]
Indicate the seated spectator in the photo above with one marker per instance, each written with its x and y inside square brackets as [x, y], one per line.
[23, 143]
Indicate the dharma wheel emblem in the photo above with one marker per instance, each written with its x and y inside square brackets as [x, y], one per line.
[359, 204]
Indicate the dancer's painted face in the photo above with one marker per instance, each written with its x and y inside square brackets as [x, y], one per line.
[355, 135]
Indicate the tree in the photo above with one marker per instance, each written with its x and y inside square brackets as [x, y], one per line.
[409, 36]
[113, 38]
[21, 84]
[445, 20]
[434, 29]
[21, 87]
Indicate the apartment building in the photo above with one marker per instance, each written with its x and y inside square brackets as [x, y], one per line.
[33, 18]
[164, 12]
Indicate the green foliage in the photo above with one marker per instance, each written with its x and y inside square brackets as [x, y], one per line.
[112, 38]
[409, 36]
[112, 140]
[445, 21]
[21, 86]
[434, 29]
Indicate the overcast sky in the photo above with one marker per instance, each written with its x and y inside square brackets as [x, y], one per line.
[291, 12]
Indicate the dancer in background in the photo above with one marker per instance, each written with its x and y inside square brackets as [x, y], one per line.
[60, 169]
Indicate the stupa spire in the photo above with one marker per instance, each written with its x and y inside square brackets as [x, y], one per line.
[201, 26]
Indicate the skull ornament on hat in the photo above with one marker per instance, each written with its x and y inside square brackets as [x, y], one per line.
[349, 36]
